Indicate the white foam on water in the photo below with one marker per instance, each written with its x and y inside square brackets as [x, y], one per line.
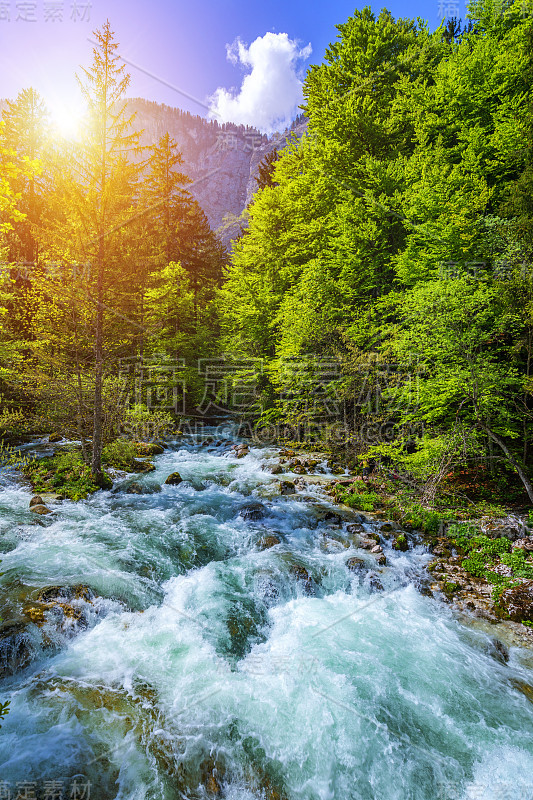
[341, 694]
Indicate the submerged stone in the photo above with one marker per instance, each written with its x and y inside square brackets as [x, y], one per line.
[135, 488]
[498, 650]
[15, 647]
[253, 511]
[268, 541]
[355, 564]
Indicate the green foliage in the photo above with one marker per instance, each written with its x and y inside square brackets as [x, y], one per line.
[362, 502]
[119, 454]
[521, 566]
[386, 246]
[4, 710]
[427, 520]
[499, 584]
[484, 554]
[475, 564]
[64, 473]
[142, 424]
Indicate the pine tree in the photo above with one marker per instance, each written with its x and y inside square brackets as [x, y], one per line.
[103, 194]
[26, 132]
[266, 170]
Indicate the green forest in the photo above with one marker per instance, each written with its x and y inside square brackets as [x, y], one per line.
[379, 301]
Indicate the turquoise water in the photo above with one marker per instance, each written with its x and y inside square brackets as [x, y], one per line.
[206, 666]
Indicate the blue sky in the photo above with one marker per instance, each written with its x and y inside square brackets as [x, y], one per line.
[178, 43]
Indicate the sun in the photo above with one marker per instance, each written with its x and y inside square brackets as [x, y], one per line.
[66, 118]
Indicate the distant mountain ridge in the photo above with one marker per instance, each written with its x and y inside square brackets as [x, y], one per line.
[221, 159]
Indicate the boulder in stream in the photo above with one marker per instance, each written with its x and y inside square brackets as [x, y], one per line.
[174, 479]
[148, 449]
[268, 541]
[401, 543]
[355, 564]
[40, 508]
[141, 466]
[135, 488]
[287, 487]
[252, 511]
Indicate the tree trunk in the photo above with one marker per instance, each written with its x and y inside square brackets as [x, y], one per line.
[510, 458]
[96, 465]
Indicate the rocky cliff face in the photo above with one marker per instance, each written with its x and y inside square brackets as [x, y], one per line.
[221, 160]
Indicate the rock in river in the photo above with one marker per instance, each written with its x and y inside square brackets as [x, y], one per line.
[252, 511]
[39, 508]
[268, 541]
[173, 479]
[287, 487]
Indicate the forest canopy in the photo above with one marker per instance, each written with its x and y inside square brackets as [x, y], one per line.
[381, 294]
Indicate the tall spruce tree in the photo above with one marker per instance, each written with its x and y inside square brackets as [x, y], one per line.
[106, 175]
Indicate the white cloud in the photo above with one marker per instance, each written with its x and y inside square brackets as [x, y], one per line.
[270, 93]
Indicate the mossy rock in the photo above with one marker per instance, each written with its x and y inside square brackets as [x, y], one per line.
[268, 541]
[401, 543]
[55, 437]
[287, 487]
[174, 479]
[78, 591]
[142, 466]
[148, 449]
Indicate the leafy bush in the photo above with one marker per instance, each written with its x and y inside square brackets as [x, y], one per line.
[144, 425]
[424, 519]
[484, 553]
[360, 501]
[476, 564]
[65, 473]
[119, 454]
[520, 566]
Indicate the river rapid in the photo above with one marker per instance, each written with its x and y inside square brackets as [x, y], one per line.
[203, 665]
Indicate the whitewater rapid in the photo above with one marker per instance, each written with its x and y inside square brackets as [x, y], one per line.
[207, 667]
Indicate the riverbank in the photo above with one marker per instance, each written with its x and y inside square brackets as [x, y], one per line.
[482, 565]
